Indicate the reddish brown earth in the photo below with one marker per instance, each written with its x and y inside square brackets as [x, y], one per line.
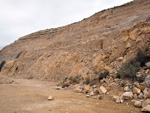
[30, 96]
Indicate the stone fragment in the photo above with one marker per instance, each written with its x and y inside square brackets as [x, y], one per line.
[138, 104]
[140, 96]
[135, 96]
[78, 90]
[128, 45]
[58, 88]
[92, 93]
[146, 108]
[147, 81]
[146, 102]
[148, 64]
[86, 87]
[138, 75]
[50, 98]
[147, 71]
[94, 86]
[146, 93]
[107, 68]
[103, 89]
[106, 80]
[117, 99]
[127, 95]
[141, 87]
[136, 90]
[88, 96]
[120, 59]
[126, 89]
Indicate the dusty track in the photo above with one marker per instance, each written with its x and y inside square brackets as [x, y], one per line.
[30, 96]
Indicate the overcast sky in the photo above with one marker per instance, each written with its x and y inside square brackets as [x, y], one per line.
[22, 17]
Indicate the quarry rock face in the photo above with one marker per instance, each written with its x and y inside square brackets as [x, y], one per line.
[85, 48]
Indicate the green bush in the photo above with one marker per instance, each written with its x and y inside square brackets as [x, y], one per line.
[87, 80]
[75, 79]
[123, 84]
[128, 70]
[100, 97]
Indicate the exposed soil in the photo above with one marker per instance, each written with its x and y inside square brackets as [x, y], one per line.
[30, 96]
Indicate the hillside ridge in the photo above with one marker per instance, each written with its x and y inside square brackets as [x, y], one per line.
[88, 47]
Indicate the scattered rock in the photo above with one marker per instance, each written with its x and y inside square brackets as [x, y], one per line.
[126, 89]
[86, 87]
[147, 81]
[146, 108]
[146, 102]
[120, 59]
[50, 98]
[88, 96]
[140, 96]
[92, 93]
[135, 96]
[148, 64]
[147, 71]
[94, 86]
[58, 88]
[78, 89]
[138, 75]
[103, 89]
[127, 95]
[117, 99]
[138, 104]
[141, 87]
[136, 90]
[146, 93]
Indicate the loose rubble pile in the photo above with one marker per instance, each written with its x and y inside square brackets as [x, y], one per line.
[119, 90]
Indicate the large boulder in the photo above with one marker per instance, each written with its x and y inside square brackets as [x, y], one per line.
[146, 108]
[127, 95]
[138, 104]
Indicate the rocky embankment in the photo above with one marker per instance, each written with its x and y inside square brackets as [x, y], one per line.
[85, 48]
[105, 54]
[119, 90]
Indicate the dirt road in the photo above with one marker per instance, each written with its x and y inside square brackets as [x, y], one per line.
[30, 96]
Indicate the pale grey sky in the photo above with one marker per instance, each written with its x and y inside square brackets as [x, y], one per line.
[22, 17]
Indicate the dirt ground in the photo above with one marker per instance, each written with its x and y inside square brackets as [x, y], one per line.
[30, 96]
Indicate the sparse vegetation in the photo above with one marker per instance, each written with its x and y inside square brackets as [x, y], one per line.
[100, 97]
[128, 70]
[76, 79]
[87, 80]
[59, 84]
[123, 84]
